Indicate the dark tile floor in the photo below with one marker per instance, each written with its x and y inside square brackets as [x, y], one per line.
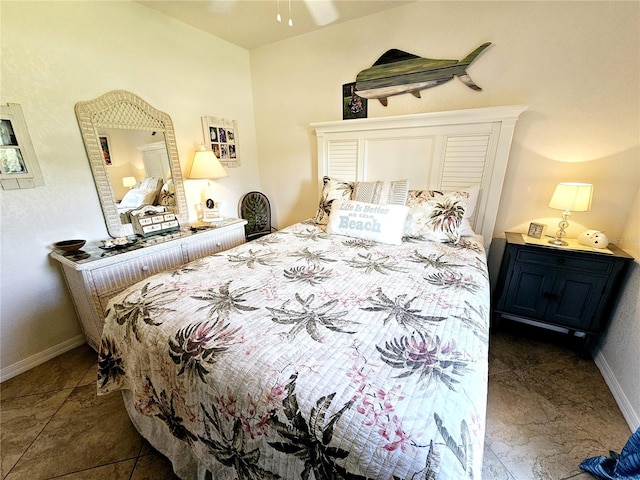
[548, 409]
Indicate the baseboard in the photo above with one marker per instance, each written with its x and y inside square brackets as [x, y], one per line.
[632, 417]
[34, 360]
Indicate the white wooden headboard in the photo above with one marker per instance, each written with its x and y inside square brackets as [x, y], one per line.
[436, 151]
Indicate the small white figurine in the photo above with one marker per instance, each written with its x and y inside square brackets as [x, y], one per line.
[593, 238]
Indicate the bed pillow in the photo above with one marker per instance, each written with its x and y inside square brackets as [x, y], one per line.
[332, 189]
[368, 221]
[150, 183]
[386, 193]
[474, 192]
[137, 197]
[466, 230]
[435, 215]
[167, 194]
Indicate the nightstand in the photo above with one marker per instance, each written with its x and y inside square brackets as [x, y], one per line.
[568, 288]
[94, 275]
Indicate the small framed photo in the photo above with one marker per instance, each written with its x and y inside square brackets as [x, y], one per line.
[536, 230]
[222, 137]
[353, 106]
[106, 150]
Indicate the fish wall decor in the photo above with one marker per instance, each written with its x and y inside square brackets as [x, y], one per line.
[397, 72]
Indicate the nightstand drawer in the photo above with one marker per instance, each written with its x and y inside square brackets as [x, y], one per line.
[593, 264]
[115, 278]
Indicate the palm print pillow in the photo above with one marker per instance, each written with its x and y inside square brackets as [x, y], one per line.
[435, 215]
[332, 189]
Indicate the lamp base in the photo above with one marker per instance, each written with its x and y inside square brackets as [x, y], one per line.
[558, 242]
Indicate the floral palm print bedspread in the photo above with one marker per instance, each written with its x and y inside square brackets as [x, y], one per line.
[305, 355]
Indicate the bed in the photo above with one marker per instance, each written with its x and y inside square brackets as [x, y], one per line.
[349, 346]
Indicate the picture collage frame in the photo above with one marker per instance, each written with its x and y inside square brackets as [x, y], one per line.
[221, 136]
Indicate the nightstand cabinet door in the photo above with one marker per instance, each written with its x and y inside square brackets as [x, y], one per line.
[527, 290]
[574, 300]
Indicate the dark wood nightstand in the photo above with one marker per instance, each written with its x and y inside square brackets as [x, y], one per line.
[567, 288]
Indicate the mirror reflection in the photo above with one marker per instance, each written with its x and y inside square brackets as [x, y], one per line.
[133, 157]
[137, 164]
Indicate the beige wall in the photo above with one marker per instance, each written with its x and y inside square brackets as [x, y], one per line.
[576, 64]
[54, 54]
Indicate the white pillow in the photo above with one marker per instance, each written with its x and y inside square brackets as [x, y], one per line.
[474, 192]
[466, 230]
[136, 197]
[149, 183]
[368, 221]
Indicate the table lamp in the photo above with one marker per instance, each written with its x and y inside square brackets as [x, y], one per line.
[206, 165]
[568, 197]
[129, 182]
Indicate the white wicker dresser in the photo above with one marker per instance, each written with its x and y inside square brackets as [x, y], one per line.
[95, 275]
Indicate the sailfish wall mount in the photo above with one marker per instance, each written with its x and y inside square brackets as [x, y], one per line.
[397, 72]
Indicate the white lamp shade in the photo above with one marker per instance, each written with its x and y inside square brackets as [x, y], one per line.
[206, 165]
[571, 196]
[129, 182]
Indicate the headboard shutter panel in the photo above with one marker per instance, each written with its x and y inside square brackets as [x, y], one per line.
[342, 159]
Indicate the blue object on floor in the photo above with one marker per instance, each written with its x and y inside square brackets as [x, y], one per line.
[623, 466]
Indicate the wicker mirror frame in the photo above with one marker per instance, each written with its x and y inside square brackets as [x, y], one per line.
[124, 110]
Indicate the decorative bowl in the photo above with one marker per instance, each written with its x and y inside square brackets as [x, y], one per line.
[69, 245]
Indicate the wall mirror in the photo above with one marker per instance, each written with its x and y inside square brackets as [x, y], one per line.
[132, 152]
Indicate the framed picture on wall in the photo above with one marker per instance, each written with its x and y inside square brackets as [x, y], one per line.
[106, 151]
[353, 106]
[221, 136]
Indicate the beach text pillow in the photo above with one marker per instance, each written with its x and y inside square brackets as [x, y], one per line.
[368, 221]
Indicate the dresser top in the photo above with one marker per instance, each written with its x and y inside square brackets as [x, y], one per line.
[94, 251]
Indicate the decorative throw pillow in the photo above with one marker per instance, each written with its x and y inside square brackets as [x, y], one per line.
[393, 193]
[436, 215]
[473, 191]
[167, 194]
[332, 189]
[368, 221]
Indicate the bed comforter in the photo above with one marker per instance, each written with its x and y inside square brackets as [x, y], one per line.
[305, 355]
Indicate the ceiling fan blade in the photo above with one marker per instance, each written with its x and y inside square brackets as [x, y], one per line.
[323, 12]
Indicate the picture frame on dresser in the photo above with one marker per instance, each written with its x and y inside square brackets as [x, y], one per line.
[536, 230]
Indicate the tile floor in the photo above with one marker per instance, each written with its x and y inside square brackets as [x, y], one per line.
[548, 409]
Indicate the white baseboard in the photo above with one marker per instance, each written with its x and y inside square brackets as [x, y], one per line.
[632, 417]
[34, 360]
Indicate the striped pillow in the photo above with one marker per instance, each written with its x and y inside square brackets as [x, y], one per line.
[382, 193]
